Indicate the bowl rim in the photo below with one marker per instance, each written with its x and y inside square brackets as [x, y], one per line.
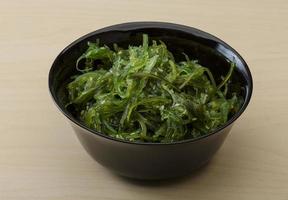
[153, 24]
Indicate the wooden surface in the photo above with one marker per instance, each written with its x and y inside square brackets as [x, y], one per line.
[41, 158]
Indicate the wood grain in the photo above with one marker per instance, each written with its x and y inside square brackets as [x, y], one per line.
[40, 157]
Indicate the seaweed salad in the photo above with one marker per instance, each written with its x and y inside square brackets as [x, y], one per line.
[142, 94]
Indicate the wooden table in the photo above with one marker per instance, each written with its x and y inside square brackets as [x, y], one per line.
[41, 158]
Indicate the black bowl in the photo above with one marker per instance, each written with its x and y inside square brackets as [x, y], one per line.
[152, 160]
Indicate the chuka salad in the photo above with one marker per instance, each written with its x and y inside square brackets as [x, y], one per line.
[143, 94]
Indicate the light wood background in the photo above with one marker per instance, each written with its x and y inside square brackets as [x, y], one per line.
[40, 157]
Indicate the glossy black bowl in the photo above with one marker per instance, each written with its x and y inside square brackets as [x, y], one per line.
[152, 160]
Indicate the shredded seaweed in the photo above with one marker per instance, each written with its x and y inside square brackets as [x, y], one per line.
[142, 94]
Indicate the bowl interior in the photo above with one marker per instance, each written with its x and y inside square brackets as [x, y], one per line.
[210, 52]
